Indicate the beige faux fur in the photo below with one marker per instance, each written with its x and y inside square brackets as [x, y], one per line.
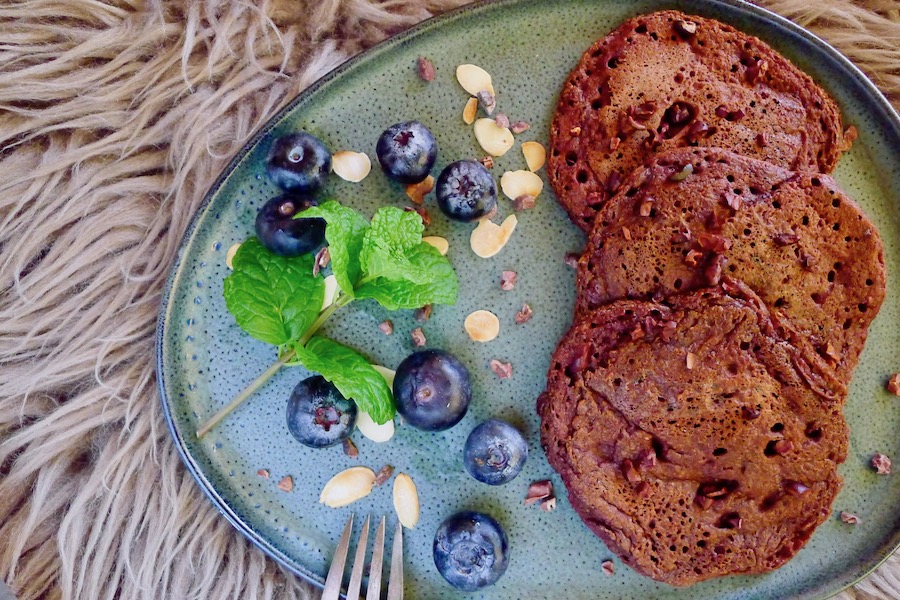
[115, 117]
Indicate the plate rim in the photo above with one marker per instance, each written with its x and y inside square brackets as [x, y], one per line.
[875, 99]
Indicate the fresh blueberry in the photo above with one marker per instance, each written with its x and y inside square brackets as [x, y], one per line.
[466, 190]
[298, 162]
[406, 151]
[432, 390]
[317, 414]
[495, 452]
[283, 235]
[471, 550]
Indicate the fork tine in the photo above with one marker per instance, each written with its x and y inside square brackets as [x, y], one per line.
[395, 583]
[332, 589]
[358, 563]
[373, 592]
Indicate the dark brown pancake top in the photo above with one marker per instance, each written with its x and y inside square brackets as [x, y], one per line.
[652, 85]
[795, 239]
[687, 437]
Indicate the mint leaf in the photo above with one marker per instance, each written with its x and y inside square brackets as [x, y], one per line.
[440, 288]
[344, 231]
[351, 374]
[273, 298]
[392, 235]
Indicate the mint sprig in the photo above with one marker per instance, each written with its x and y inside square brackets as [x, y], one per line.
[278, 300]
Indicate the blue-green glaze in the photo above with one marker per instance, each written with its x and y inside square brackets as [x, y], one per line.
[528, 46]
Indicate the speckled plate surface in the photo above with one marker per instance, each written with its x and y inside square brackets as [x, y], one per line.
[529, 46]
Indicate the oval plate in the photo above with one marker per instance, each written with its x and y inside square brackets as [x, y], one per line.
[528, 46]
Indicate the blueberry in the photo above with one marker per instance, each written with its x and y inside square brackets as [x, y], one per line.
[298, 162]
[283, 235]
[466, 190]
[471, 550]
[495, 452]
[432, 390]
[406, 151]
[317, 414]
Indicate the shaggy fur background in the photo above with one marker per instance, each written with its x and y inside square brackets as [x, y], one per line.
[115, 117]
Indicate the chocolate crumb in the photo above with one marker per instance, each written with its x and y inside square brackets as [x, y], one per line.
[761, 140]
[539, 490]
[508, 280]
[350, 448]
[386, 327]
[795, 488]
[523, 202]
[786, 239]
[502, 120]
[881, 464]
[422, 314]
[323, 257]
[518, 127]
[692, 258]
[418, 337]
[687, 28]
[893, 384]
[487, 101]
[571, 259]
[426, 69]
[524, 315]
[426, 218]
[383, 474]
[264, 473]
[608, 568]
[286, 484]
[646, 208]
[488, 162]
[501, 369]
[849, 518]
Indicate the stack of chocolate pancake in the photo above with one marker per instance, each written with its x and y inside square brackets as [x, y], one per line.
[694, 409]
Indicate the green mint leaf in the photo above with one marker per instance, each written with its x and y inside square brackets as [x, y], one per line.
[392, 235]
[344, 231]
[351, 374]
[273, 298]
[441, 288]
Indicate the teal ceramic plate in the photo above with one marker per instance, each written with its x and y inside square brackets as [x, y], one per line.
[528, 46]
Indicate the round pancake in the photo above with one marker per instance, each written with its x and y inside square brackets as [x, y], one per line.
[652, 85]
[686, 437]
[795, 239]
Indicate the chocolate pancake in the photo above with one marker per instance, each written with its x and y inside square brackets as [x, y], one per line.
[798, 241]
[668, 80]
[688, 439]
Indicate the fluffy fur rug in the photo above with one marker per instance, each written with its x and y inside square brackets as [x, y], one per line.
[114, 119]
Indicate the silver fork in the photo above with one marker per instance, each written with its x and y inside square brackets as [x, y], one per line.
[332, 589]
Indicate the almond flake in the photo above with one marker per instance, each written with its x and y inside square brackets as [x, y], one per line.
[470, 110]
[501, 369]
[608, 568]
[351, 166]
[347, 487]
[626, 233]
[524, 315]
[406, 500]
[646, 208]
[849, 518]
[495, 140]
[691, 360]
[331, 291]
[264, 473]
[438, 242]
[520, 183]
[229, 255]
[576, 131]
[474, 79]
[881, 464]
[488, 238]
[508, 280]
[418, 191]
[535, 155]
[386, 327]
[548, 504]
[418, 337]
[539, 490]
[364, 422]
[482, 326]
[286, 484]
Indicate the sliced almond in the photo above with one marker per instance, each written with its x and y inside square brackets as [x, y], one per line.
[489, 238]
[229, 256]
[331, 291]
[535, 155]
[372, 430]
[351, 166]
[482, 326]
[470, 111]
[495, 140]
[406, 500]
[516, 184]
[347, 487]
[418, 191]
[474, 79]
[438, 242]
